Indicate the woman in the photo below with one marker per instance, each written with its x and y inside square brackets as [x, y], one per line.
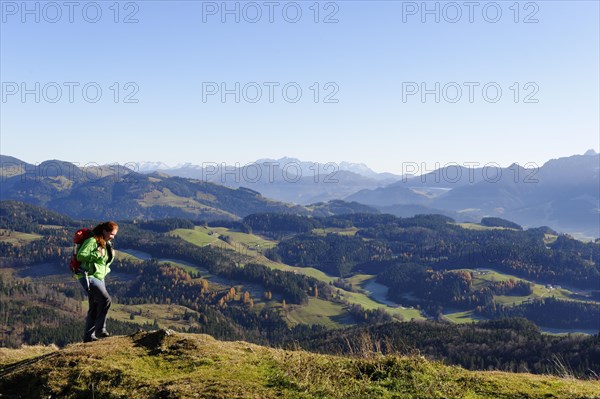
[96, 255]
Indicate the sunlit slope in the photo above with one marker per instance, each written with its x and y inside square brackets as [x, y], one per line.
[163, 364]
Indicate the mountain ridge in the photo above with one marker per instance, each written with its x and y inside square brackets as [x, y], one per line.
[563, 193]
[120, 193]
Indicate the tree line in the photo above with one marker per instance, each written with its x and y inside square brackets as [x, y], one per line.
[513, 344]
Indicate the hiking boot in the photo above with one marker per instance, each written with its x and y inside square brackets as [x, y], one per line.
[91, 338]
[103, 334]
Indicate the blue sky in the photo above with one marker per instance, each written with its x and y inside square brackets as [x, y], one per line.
[368, 64]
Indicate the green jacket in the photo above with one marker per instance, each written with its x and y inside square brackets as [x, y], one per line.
[96, 265]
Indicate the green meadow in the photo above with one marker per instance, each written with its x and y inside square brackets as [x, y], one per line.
[16, 237]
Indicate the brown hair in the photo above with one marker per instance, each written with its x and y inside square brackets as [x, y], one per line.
[100, 229]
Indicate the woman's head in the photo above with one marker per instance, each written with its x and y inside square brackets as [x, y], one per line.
[105, 231]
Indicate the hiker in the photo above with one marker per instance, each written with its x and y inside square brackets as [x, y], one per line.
[96, 255]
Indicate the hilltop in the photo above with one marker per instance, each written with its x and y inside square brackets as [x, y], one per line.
[163, 364]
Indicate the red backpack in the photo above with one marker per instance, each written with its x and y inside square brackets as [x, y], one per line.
[80, 236]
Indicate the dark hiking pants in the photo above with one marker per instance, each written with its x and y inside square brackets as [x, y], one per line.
[99, 303]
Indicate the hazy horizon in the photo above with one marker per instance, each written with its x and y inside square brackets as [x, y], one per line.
[410, 168]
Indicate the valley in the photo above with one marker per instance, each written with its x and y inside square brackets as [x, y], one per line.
[281, 278]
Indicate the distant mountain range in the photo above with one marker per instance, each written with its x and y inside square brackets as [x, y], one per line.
[564, 193]
[308, 168]
[101, 192]
[285, 179]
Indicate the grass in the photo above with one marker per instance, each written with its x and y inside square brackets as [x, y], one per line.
[567, 331]
[185, 266]
[349, 231]
[477, 226]
[583, 237]
[359, 279]
[485, 276]
[199, 236]
[166, 197]
[307, 271]
[124, 255]
[162, 364]
[370, 304]
[250, 240]
[550, 238]
[247, 244]
[319, 311]
[17, 238]
[461, 317]
[133, 254]
[9, 356]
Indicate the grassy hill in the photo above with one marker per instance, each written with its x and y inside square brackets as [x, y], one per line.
[163, 364]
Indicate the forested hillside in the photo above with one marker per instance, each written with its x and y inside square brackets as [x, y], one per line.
[324, 274]
[432, 262]
[121, 193]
